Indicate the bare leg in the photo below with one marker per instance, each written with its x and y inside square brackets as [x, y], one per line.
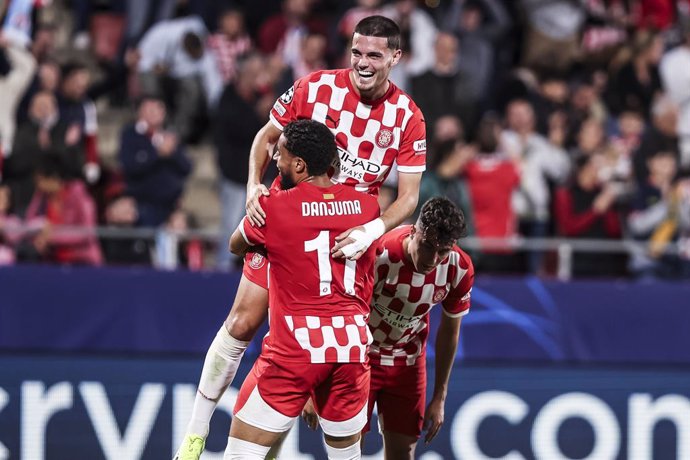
[249, 310]
[398, 446]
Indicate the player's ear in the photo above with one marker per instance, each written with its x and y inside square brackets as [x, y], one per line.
[397, 54]
[300, 165]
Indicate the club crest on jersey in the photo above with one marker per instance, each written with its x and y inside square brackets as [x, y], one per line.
[257, 261]
[286, 97]
[439, 295]
[384, 138]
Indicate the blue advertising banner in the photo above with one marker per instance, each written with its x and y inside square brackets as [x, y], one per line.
[513, 319]
[60, 407]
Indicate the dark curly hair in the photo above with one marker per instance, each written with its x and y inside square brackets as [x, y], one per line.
[441, 222]
[313, 142]
[380, 26]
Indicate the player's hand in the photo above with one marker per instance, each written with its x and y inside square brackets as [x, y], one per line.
[309, 415]
[353, 251]
[433, 419]
[255, 214]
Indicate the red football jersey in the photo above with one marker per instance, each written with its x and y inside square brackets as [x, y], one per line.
[402, 299]
[371, 135]
[319, 305]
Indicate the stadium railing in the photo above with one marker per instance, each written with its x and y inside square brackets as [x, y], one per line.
[167, 244]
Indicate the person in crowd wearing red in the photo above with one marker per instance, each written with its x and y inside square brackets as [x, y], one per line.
[586, 209]
[69, 218]
[492, 178]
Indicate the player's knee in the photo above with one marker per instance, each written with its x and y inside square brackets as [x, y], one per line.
[241, 326]
[341, 441]
[399, 447]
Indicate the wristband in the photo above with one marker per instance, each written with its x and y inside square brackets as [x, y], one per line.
[375, 229]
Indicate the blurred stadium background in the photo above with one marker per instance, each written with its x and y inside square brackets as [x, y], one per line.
[561, 127]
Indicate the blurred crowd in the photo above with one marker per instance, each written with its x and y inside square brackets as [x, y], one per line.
[545, 118]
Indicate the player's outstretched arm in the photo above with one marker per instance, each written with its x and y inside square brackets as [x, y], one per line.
[259, 156]
[446, 346]
[354, 242]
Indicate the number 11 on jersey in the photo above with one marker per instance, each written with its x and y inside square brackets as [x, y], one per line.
[320, 244]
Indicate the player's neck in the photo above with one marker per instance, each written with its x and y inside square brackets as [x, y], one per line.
[318, 181]
[372, 96]
[406, 249]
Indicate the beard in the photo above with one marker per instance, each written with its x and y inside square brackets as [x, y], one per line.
[286, 182]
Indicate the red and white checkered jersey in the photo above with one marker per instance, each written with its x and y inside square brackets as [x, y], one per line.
[399, 320]
[319, 305]
[371, 135]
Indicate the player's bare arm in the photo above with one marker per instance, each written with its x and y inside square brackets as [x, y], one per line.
[397, 212]
[259, 157]
[238, 245]
[446, 346]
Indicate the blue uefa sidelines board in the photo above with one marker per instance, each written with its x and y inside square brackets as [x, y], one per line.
[59, 407]
[517, 319]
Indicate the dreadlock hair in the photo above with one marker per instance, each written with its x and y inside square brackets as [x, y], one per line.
[313, 142]
[441, 222]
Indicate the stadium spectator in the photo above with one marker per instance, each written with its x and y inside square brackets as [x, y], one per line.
[46, 78]
[338, 382]
[175, 66]
[284, 32]
[230, 43]
[61, 202]
[154, 164]
[141, 15]
[591, 138]
[444, 89]
[448, 154]
[7, 255]
[312, 56]
[552, 33]
[541, 162]
[627, 134]
[650, 209]
[585, 103]
[635, 80]
[676, 82]
[605, 29]
[12, 87]
[480, 26]
[44, 133]
[660, 135]
[349, 19]
[79, 112]
[241, 113]
[419, 33]
[585, 208]
[492, 178]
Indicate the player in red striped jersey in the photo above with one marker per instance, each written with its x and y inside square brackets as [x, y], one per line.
[417, 266]
[375, 125]
[318, 339]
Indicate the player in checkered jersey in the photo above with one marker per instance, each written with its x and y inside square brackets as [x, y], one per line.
[375, 125]
[318, 339]
[417, 266]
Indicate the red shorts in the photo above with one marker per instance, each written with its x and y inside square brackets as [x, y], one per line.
[400, 396]
[255, 269]
[275, 392]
